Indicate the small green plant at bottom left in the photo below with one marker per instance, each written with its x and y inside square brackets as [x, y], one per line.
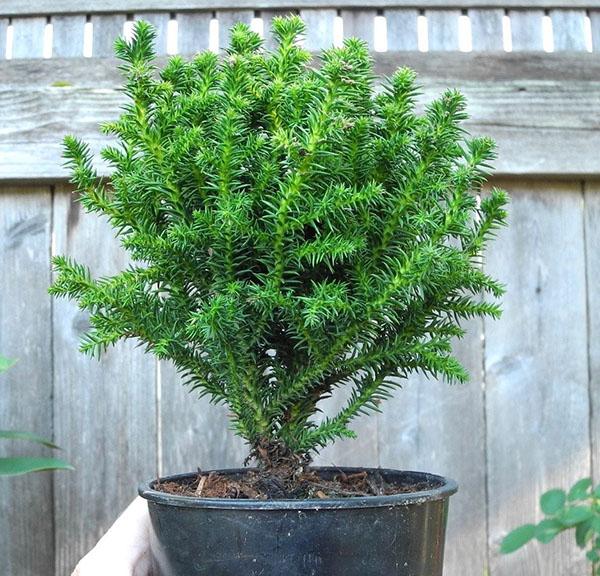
[17, 465]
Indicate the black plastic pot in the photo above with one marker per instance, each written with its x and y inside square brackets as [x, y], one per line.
[399, 535]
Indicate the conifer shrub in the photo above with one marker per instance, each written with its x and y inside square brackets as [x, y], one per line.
[294, 230]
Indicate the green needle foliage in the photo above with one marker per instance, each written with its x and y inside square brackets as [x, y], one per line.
[293, 230]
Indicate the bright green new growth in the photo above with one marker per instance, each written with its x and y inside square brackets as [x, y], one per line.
[293, 230]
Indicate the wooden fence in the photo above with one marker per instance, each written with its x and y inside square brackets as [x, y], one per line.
[528, 421]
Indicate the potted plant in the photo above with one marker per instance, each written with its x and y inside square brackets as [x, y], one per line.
[293, 232]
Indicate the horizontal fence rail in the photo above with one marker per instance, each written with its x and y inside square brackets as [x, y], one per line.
[47, 7]
[543, 110]
[384, 27]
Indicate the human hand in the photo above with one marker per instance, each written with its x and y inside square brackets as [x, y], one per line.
[125, 549]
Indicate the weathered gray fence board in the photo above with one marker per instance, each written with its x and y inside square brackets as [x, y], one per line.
[568, 30]
[3, 38]
[25, 317]
[536, 370]
[486, 30]
[444, 68]
[193, 32]
[104, 413]
[105, 29]
[526, 29]
[195, 434]
[20, 7]
[319, 27]
[430, 425]
[423, 426]
[360, 24]
[442, 26]
[67, 36]
[592, 250]
[26, 506]
[28, 37]
[595, 22]
[544, 111]
[401, 29]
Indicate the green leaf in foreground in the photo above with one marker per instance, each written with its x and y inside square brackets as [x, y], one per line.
[577, 511]
[18, 465]
[28, 436]
[592, 556]
[583, 532]
[580, 490]
[553, 501]
[547, 529]
[575, 515]
[517, 538]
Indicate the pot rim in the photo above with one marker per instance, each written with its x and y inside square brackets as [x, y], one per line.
[446, 488]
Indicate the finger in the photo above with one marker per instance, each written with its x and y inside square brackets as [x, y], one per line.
[90, 569]
[144, 566]
[94, 564]
[124, 549]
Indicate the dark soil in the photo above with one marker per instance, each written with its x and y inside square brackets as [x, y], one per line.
[259, 485]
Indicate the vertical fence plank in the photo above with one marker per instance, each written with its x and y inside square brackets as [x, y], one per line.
[160, 21]
[536, 371]
[26, 507]
[442, 27]
[595, 22]
[319, 27]
[402, 29]
[486, 30]
[360, 24]
[432, 426]
[569, 30]
[28, 37]
[193, 32]
[592, 249]
[195, 434]
[526, 29]
[104, 411]
[105, 30]
[67, 36]
[227, 18]
[3, 38]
